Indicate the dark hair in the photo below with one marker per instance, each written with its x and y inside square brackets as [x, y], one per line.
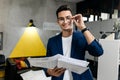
[63, 8]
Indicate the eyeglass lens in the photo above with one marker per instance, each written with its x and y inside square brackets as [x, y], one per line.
[62, 19]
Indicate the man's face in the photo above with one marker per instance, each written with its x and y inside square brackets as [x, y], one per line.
[64, 20]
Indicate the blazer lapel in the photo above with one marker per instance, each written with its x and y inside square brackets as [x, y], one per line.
[73, 44]
[59, 44]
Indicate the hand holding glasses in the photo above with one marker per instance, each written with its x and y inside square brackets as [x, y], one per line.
[78, 20]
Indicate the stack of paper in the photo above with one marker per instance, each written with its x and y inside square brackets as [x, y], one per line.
[47, 62]
[74, 65]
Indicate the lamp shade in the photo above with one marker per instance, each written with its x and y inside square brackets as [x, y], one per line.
[30, 44]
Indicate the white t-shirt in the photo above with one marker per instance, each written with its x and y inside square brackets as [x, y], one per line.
[66, 44]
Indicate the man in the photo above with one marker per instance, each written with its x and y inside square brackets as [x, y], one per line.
[71, 43]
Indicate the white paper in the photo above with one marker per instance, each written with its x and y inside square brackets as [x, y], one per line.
[74, 65]
[35, 75]
[47, 62]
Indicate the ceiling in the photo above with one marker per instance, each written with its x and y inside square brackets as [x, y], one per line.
[74, 1]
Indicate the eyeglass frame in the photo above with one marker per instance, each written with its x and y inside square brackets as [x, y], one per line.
[62, 19]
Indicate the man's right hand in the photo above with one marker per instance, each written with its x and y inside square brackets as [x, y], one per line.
[56, 71]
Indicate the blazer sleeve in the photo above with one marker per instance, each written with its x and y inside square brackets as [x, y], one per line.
[95, 48]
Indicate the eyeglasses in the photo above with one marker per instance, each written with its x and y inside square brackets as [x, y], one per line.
[62, 19]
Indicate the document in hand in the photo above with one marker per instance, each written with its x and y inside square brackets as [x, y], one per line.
[74, 65]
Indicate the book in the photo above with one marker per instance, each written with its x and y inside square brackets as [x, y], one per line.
[74, 65]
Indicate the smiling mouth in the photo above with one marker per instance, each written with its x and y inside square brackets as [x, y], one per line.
[66, 26]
